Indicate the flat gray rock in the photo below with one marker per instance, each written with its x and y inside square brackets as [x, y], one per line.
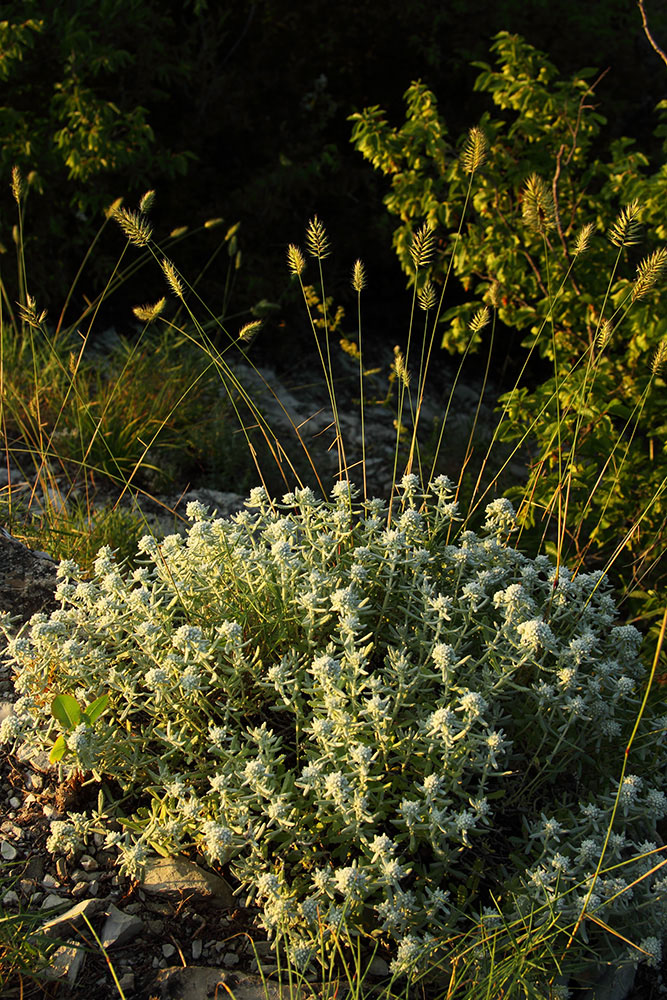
[119, 927]
[199, 983]
[66, 963]
[72, 919]
[178, 875]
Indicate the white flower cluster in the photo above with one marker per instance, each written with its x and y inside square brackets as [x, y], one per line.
[423, 695]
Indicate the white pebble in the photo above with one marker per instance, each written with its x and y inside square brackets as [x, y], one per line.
[196, 948]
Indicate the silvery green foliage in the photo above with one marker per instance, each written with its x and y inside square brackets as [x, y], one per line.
[386, 728]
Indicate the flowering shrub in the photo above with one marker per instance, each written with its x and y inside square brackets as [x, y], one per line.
[375, 727]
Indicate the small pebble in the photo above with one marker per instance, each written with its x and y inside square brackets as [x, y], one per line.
[197, 948]
[49, 810]
[34, 782]
[126, 982]
[10, 898]
[98, 839]
[80, 890]
[8, 850]
[168, 950]
[132, 908]
[14, 802]
[88, 864]
[229, 959]
[49, 882]
[61, 869]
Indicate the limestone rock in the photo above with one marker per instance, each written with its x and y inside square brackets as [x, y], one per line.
[178, 875]
[199, 982]
[72, 919]
[119, 927]
[27, 579]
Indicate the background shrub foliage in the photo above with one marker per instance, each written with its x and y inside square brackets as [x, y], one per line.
[590, 307]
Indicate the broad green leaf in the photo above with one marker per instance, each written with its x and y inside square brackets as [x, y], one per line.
[57, 750]
[95, 709]
[66, 710]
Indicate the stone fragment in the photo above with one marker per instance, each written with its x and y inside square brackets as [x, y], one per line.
[38, 759]
[178, 875]
[10, 898]
[378, 967]
[611, 983]
[66, 963]
[168, 950]
[73, 919]
[51, 902]
[88, 864]
[8, 850]
[126, 983]
[49, 882]
[119, 927]
[196, 948]
[198, 982]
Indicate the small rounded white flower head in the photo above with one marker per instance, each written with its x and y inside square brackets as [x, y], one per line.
[500, 517]
[196, 511]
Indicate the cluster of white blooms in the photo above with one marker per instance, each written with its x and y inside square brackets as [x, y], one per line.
[422, 695]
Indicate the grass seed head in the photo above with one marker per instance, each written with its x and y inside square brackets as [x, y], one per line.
[474, 151]
[604, 334]
[146, 202]
[147, 313]
[173, 280]
[659, 358]
[583, 239]
[649, 271]
[295, 259]
[537, 205]
[427, 295]
[358, 276]
[625, 231]
[134, 225]
[249, 331]
[17, 185]
[316, 239]
[421, 248]
[479, 320]
[400, 367]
